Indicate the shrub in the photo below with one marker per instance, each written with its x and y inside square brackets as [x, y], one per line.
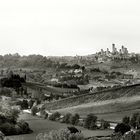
[66, 118]
[81, 123]
[34, 110]
[73, 129]
[122, 128]
[11, 115]
[44, 114]
[54, 116]
[24, 104]
[92, 126]
[74, 119]
[5, 91]
[2, 118]
[60, 135]
[105, 124]
[24, 127]
[18, 129]
[90, 121]
[8, 129]
[126, 120]
[30, 103]
[14, 114]
[133, 121]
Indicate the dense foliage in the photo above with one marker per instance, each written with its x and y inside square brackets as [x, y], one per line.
[54, 116]
[14, 81]
[60, 135]
[122, 128]
[9, 124]
[90, 121]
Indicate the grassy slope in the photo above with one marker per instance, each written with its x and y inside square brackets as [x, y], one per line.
[45, 126]
[111, 110]
[111, 105]
[128, 91]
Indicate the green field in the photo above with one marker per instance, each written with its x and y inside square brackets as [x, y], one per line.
[39, 125]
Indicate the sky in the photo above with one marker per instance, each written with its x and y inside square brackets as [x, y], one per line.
[68, 27]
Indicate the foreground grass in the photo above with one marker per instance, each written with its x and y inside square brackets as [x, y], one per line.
[39, 125]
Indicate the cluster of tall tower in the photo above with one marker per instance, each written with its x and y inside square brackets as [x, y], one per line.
[122, 51]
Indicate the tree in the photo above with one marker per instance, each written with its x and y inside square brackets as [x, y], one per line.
[105, 124]
[133, 121]
[138, 122]
[66, 118]
[74, 119]
[90, 121]
[24, 104]
[55, 116]
[73, 130]
[30, 103]
[122, 128]
[126, 120]
[34, 110]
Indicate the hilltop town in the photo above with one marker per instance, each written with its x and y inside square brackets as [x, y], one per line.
[104, 68]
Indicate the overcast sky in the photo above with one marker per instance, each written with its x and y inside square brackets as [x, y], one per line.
[68, 27]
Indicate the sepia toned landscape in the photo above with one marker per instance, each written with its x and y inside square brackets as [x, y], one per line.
[69, 70]
[93, 94]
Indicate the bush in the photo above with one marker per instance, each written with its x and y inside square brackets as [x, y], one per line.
[122, 128]
[9, 115]
[30, 103]
[13, 116]
[54, 116]
[8, 129]
[105, 124]
[90, 122]
[3, 119]
[34, 110]
[60, 135]
[134, 120]
[74, 119]
[5, 91]
[24, 104]
[23, 127]
[44, 114]
[66, 118]
[18, 129]
[73, 129]
[126, 120]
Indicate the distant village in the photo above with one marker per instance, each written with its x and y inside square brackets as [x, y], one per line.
[121, 52]
[106, 55]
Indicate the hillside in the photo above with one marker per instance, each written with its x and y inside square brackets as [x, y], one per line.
[111, 110]
[127, 91]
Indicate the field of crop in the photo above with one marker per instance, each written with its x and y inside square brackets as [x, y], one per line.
[111, 110]
[116, 93]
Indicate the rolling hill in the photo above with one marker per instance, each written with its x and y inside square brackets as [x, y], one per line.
[116, 102]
